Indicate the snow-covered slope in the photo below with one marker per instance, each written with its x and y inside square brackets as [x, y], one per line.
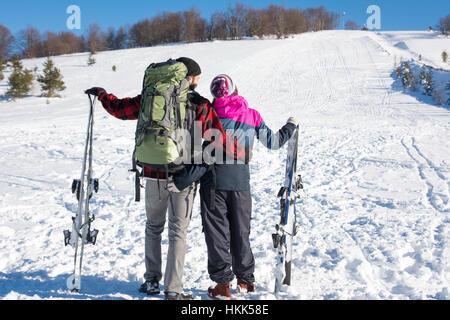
[426, 46]
[374, 218]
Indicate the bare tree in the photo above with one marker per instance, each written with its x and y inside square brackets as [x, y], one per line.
[444, 24]
[173, 26]
[52, 45]
[235, 18]
[332, 21]
[236, 22]
[120, 42]
[160, 29]
[321, 19]
[110, 38]
[296, 21]
[115, 40]
[189, 20]
[140, 34]
[71, 42]
[277, 15]
[351, 25]
[96, 40]
[32, 44]
[218, 26]
[6, 42]
[194, 26]
[29, 42]
[157, 34]
[255, 26]
[201, 29]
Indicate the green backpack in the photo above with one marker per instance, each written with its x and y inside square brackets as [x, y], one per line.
[163, 119]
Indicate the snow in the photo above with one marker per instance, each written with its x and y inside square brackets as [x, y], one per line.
[413, 44]
[374, 216]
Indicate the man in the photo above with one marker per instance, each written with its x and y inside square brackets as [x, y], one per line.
[162, 195]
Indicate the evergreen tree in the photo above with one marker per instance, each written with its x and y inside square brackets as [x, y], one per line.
[438, 95]
[413, 81]
[406, 74]
[2, 67]
[444, 56]
[399, 70]
[20, 80]
[51, 81]
[447, 88]
[427, 81]
[15, 62]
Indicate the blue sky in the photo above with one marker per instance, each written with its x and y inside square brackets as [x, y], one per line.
[51, 15]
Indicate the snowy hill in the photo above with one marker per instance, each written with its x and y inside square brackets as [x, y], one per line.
[419, 45]
[374, 218]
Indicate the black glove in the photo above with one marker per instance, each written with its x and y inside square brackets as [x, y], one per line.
[195, 98]
[95, 91]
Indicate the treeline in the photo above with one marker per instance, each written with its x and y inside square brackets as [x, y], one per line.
[444, 25]
[236, 22]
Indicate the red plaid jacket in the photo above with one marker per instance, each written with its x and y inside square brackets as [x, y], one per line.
[128, 109]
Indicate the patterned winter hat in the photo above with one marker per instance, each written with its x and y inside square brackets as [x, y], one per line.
[222, 86]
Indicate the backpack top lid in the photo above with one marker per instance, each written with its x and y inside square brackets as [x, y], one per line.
[164, 74]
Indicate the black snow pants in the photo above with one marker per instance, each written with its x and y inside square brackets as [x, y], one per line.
[226, 224]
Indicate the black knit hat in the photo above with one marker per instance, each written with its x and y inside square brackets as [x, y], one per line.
[192, 66]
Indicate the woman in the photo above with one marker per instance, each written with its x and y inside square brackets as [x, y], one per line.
[226, 202]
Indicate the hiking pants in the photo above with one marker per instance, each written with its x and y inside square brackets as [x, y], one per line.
[226, 225]
[179, 205]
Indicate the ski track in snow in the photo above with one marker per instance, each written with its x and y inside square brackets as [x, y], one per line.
[374, 215]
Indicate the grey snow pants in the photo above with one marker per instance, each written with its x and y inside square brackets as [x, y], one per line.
[179, 205]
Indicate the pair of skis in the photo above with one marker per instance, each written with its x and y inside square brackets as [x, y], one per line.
[83, 189]
[287, 228]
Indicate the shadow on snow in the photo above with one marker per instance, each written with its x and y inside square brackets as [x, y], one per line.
[40, 285]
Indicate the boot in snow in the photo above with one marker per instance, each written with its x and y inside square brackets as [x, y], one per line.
[220, 292]
[243, 287]
[150, 287]
[178, 296]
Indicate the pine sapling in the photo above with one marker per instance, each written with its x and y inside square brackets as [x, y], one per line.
[444, 56]
[52, 80]
[91, 60]
[20, 80]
